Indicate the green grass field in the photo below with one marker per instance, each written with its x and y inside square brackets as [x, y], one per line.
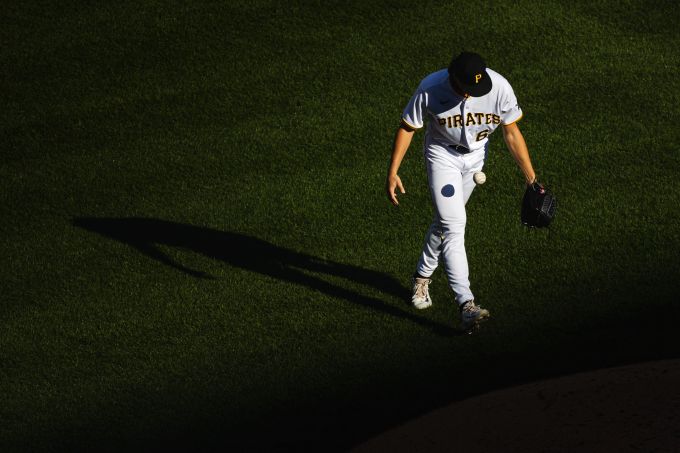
[196, 245]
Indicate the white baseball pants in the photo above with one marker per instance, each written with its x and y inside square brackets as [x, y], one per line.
[451, 184]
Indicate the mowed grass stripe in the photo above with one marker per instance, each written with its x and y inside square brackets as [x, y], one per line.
[275, 123]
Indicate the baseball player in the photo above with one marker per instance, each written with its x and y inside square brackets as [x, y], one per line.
[462, 106]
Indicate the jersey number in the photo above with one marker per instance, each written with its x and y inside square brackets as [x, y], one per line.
[482, 135]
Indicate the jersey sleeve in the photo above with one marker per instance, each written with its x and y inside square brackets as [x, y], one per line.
[510, 110]
[413, 113]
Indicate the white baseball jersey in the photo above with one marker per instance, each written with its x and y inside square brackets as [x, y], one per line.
[456, 120]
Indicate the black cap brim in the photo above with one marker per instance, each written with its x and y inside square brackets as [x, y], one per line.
[477, 89]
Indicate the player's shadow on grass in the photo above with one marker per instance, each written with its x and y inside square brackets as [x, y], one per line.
[255, 255]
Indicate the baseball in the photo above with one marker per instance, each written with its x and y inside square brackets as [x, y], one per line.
[479, 178]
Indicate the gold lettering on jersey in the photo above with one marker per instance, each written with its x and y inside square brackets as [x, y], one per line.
[470, 119]
[482, 135]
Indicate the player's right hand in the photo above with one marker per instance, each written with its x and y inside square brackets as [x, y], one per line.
[394, 181]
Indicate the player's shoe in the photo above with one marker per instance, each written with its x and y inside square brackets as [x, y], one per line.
[471, 315]
[421, 294]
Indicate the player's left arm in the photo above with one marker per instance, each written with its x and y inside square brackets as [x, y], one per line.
[518, 148]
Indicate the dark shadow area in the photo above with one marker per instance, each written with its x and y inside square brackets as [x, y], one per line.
[422, 382]
[422, 385]
[255, 255]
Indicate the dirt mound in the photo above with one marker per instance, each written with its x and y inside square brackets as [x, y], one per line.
[631, 408]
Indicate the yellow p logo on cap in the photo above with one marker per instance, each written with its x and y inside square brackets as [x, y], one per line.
[477, 77]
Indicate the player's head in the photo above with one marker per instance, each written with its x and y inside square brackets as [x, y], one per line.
[467, 73]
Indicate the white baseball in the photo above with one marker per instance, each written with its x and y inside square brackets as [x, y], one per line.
[479, 178]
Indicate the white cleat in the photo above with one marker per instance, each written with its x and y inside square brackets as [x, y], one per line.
[421, 293]
[471, 315]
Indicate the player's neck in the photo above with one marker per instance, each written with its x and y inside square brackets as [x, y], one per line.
[463, 95]
[457, 90]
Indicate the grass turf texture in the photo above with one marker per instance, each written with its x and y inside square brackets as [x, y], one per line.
[198, 132]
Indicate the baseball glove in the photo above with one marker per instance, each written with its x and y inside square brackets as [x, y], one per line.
[538, 206]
